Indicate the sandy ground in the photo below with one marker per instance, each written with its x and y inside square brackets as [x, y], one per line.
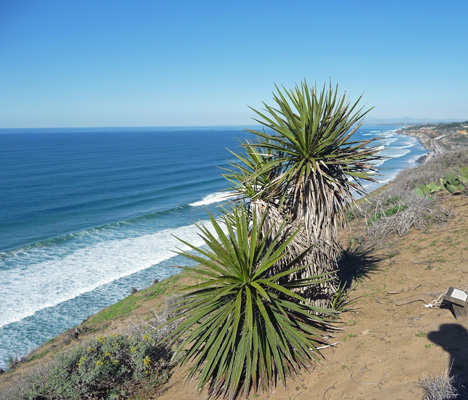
[390, 341]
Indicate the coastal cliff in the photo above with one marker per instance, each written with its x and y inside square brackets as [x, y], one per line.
[438, 138]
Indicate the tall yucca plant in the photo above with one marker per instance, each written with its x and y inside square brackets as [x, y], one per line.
[316, 165]
[240, 326]
[309, 139]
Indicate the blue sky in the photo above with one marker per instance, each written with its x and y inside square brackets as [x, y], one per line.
[159, 63]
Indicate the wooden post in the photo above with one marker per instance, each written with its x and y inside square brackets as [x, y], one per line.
[458, 299]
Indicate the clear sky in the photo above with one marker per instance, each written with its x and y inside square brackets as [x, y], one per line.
[193, 62]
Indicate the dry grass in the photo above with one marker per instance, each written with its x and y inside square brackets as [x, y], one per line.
[441, 387]
[432, 171]
[397, 208]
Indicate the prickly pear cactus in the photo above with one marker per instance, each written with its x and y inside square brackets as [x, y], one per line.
[433, 187]
[451, 183]
[464, 172]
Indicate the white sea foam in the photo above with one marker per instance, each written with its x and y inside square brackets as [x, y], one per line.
[38, 285]
[395, 152]
[370, 186]
[390, 177]
[378, 163]
[390, 140]
[212, 198]
[384, 181]
[406, 146]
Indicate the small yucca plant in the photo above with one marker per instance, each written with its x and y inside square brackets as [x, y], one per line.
[244, 176]
[240, 326]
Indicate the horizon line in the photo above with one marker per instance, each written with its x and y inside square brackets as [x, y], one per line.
[372, 121]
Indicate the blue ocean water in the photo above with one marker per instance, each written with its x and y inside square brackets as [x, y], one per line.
[87, 214]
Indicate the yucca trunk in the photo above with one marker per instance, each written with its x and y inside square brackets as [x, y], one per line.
[317, 205]
[321, 257]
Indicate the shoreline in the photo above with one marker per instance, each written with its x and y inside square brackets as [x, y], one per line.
[437, 139]
[425, 158]
[423, 140]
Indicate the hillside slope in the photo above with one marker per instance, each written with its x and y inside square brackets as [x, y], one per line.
[390, 341]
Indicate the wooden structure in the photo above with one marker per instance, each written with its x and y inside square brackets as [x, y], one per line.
[458, 299]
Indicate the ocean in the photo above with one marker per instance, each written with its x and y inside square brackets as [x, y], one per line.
[88, 214]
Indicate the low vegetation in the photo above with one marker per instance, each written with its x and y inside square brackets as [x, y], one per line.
[119, 366]
[440, 387]
[450, 183]
[130, 304]
[400, 206]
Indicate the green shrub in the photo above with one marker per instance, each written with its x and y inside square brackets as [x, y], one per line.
[350, 214]
[387, 213]
[103, 368]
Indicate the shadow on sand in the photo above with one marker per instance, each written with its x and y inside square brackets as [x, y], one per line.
[453, 338]
[356, 262]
